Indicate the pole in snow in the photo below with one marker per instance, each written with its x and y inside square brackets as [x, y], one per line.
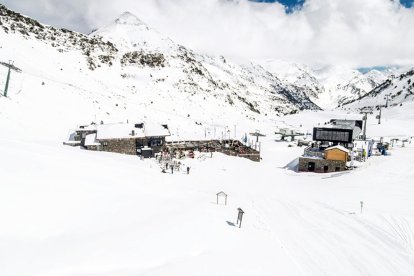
[379, 116]
[240, 217]
[7, 83]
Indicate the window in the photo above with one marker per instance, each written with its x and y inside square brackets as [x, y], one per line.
[155, 142]
[332, 135]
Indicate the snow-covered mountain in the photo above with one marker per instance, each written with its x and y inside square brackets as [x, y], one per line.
[395, 91]
[69, 211]
[127, 65]
[329, 86]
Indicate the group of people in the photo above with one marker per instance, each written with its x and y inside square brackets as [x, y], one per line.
[177, 166]
[167, 162]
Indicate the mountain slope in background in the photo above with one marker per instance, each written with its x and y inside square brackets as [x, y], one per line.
[397, 89]
[128, 70]
[330, 86]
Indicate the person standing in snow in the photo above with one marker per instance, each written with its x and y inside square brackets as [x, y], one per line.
[188, 170]
[172, 169]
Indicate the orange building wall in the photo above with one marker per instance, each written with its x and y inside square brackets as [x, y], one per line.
[336, 154]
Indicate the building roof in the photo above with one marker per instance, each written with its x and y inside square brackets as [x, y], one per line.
[91, 127]
[355, 125]
[338, 130]
[156, 130]
[90, 140]
[339, 147]
[128, 130]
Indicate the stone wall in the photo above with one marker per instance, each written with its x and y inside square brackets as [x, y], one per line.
[94, 148]
[332, 165]
[128, 146]
[125, 146]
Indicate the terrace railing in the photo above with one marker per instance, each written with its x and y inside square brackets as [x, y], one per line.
[313, 152]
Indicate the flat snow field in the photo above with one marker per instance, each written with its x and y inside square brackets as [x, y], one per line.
[70, 212]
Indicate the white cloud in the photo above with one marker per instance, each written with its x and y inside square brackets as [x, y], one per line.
[351, 32]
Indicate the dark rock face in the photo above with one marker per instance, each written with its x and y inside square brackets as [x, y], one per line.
[61, 39]
[143, 59]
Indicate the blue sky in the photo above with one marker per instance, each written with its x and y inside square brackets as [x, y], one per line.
[290, 4]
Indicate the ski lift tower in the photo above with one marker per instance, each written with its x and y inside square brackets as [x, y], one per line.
[386, 98]
[10, 66]
[257, 134]
[365, 111]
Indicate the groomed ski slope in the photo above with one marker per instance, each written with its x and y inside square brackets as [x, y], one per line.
[67, 211]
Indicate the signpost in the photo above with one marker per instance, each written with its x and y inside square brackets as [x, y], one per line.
[240, 216]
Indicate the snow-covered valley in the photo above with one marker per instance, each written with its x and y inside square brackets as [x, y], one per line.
[67, 211]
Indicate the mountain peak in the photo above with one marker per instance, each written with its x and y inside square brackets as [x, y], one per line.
[128, 18]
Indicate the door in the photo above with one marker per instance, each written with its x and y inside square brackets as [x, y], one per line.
[311, 166]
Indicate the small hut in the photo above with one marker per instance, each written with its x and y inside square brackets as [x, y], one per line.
[337, 153]
[222, 195]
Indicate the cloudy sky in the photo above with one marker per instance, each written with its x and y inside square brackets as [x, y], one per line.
[357, 33]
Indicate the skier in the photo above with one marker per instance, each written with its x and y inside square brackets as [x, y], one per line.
[188, 170]
[172, 169]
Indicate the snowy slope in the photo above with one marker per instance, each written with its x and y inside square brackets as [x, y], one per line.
[127, 70]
